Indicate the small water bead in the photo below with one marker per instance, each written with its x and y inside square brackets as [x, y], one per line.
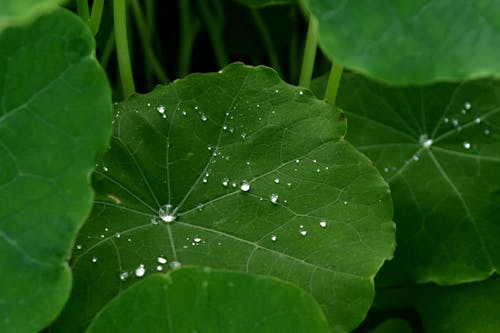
[129, 239]
[102, 236]
[245, 186]
[318, 170]
[154, 221]
[323, 224]
[427, 143]
[466, 145]
[415, 158]
[225, 182]
[78, 246]
[148, 104]
[166, 213]
[274, 238]
[205, 180]
[297, 161]
[276, 180]
[140, 271]
[105, 168]
[243, 135]
[467, 106]
[455, 122]
[274, 198]
[487, 132]
[224, 127]
[446, 120]
[117, 235]
[345, 202]
[159, 268]
[386, 169]
[303, 232]
[463, 111]
[233, 184]
[247, 162]
[161, 109]
[477, 120]
[124, 276]
[301, 93]
[184, 113]
[161, 260]
[94, 259]
[197, 239]
[289, 184]
[106, 229]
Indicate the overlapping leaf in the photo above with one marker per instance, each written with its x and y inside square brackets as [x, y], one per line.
[205, 300]
[439, 149]
[16, 12]
[259, 179]
[55, 113]
[408, 41]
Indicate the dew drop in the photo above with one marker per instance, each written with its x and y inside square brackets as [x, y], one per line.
[323, 224]
[467, 105]
[205, 180]
[301, 93]
[477, 120]
[303, 232]
[446, 120]
[124, 276]
[225, 182]
[161, 109]
[245, 186]
[140, 271]
[386, 169]
[415, 158]
[78, 246]
[161, 260]
[184, 113]
[117, 235]
[297, 161]
[289, 184]
[487, 132]
[243, 135]
[159, 268]
[175, 264]
[166, 213]
[466, 145]
[274, 198]
[105, 168]
[274, 238]
[233, 184]
[197, 239]
[247, 162]
[276, 180]
[455, 122]
[203, 117]
[94, 259]
[427, 143]
[345, 202]
[154, 221]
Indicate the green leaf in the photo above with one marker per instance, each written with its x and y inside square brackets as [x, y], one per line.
[439, 149]
[471, 307]
[54, 118]
[198, 299]
[192, 144]
[393, 326]
[264, 3]
[14, 12]
[408, 41]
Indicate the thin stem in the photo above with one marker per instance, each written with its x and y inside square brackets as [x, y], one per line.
[148, 51]
[333, 83]
[82, 7]
[150, 16]
[108, 48]
[95, 16]
[188, 31]
[306, 71]
[215, 24]
[266, 38]
[121, 39]
[293, 51]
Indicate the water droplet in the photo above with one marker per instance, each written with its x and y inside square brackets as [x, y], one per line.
[467, 105]
[477, 120]
[205, 180]
[247, 162]
[303, 232]
[124, 276]
[161, 260]
[129, 239]
[415, 158]
[148, 104]
[161, 109]
[289, 184]
[274, 198]
[446, 120]
[117, 235]
[258, 105]
[220, 72]
[301, 93]
[102, 236]
[487, 132]
[105, 168]
[274, 238]
[245, 186]
[345, 202]
[277, 180]
[466, 145]
[323, 224]
[455, 122]
[94, 259]
[427, 143]
[159, 268]
[196, 107]
[203, 117]
[318, 170]
[301, 226]
[233, 184]
[243, 135]
[154, 221]
[166, 213]
[184, 113]
[209, 148]
[106, 229]
[297, 161]
[225, 182]
[386, 169]
[175, 264]
[140, 271]
[78, 246]
[197, 239]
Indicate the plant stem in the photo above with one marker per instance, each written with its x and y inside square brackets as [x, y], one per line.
[146, 45]
[122, 52]
[293, 50]
[95, 16]
[215, 24]
[306, 71]
[188, 31]
[266, 38]
[333, 83]
[82, 8]
[108, 48]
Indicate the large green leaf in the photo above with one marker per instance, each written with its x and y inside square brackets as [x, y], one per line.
[410, 41]
[439, 149]
[55, 115]
[471, 307]
[192, 145]
[20, 11]
[204, 300]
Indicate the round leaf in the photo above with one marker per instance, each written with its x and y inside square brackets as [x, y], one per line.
[204, 300]
[408, 41]
[54, 118]
[259, 179]
[439, 149]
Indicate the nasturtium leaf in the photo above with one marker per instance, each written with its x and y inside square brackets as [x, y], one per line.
[439, 148]
[464, 308]
[409, 41]
[259, 179]
[196, 299]
[14, 12]
[263, 3]
[55, 117]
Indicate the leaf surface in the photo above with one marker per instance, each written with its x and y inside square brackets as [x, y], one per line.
[55, 116]
[439, 149]
[411, 42]
[198, 299]
[259, 180]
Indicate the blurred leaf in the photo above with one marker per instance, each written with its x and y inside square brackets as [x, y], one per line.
[412, 41]
[314, 212]
[54, 119]
[15, 12]
[203, 300]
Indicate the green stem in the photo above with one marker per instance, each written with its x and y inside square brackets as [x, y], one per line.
[293, 51]
[95, 16]
[188, 30]
[146, 45]
[306, 71]
[121, 39]
[333, 83]
[215, 24]
[266, 38]
[82, 7]
[108, 48]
